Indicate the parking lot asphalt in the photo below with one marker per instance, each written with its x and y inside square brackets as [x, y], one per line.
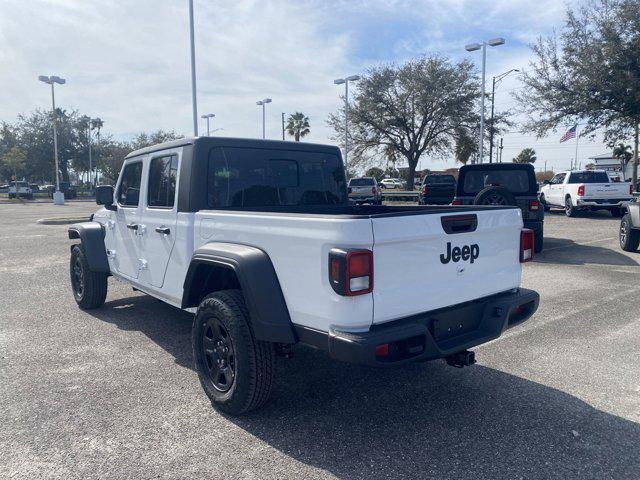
[111, 393]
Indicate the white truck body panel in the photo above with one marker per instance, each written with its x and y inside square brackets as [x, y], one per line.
[410, 278]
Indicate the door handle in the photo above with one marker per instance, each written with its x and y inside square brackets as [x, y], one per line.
[132, 226]
[163, 230]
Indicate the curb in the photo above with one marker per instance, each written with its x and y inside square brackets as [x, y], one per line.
[62, 220]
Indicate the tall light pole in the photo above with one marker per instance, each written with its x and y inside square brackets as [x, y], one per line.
[90, 122]
[207, 117]
[340, 81]
[58, 196]
[497, 79]
[472, 47]
[263, 102]
[283, 126]
[193, 71]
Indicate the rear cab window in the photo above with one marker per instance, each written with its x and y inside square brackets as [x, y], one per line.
[588, 177]
[519, 181]
[252, 177]
[440, 180]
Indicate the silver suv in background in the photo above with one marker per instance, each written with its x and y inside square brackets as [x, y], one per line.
[365, 190]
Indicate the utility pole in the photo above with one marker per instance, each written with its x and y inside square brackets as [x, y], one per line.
[282, 125]
[501, 147]
[496, 80]
[340, 81]
[58, 196]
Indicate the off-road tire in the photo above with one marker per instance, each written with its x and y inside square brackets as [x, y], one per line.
[252, 362]
[89, 288]
[494, 195]
[538, 240]
[569, 209]
[629, 237]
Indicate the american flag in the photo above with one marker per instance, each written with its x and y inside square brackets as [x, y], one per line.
[571, 133]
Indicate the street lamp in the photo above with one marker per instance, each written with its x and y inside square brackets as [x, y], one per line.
[90, 122]
[497, 79]
[207, 117]
[263, 103]
[472, 47]
[58, 196]
[193, 71]
[340, 81]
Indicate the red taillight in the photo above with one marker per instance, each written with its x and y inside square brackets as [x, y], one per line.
[534, 205]
[581, 190]
[373, 190]
[526, 245]
[351, 271]
[456, 202]
[425, 190]
[382, 350]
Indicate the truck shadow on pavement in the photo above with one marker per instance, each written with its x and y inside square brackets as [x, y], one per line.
[419, 421]
[564, 251]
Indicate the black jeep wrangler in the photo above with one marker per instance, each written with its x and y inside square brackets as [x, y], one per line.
[503, 184]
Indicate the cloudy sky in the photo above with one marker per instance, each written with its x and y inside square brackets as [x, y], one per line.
[127, 61]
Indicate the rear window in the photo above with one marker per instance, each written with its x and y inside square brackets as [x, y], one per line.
[440, 180]
[588, 177]
[517, 181]
[361, 182]
[251, 177]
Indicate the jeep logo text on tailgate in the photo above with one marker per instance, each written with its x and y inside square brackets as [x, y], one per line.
[455, 254]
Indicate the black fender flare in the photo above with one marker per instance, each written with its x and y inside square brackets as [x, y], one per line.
[258, 280]
[634, 212]
[91, 234]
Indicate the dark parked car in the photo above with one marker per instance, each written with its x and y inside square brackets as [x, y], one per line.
[66, 188]
[437, 190]
[503, 184]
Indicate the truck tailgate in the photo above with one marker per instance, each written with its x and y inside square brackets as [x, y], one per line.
[606, 190]
[418, 267]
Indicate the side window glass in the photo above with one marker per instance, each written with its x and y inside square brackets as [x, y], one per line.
[163, 173]
[129, 189]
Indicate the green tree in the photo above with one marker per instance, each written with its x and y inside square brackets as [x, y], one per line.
[527, 155]
[298, 126]
[589, 74]
[14, 160]
[414, 108]
[375, 172]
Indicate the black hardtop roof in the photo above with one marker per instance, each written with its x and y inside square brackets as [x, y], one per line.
[497, 166]
[209, 142]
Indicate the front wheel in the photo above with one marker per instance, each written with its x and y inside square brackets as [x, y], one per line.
[569, 209]
[89, 288]
[629, 237]
[235, 369]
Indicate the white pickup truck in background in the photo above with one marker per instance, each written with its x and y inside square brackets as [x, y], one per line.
[577, 190]
[259, 240]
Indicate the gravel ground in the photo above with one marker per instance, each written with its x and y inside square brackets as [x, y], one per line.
[111, 393]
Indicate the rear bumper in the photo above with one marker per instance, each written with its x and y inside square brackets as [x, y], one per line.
[436, 200]
[430, 335]
[602, 202]
[533, 224]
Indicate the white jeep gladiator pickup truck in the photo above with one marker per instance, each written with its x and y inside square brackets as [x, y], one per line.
[259, 240]
[586, 190]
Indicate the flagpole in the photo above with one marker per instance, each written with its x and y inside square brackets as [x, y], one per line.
[577, 136]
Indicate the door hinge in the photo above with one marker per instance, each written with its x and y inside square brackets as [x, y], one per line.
[111, 253]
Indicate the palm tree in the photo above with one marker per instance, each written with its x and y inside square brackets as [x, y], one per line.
[298, 125]
[527, 155]
[624, 154]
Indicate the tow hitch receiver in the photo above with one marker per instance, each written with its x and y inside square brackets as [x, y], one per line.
[465, 358]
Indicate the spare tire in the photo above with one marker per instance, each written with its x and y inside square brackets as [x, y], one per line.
[494, 195]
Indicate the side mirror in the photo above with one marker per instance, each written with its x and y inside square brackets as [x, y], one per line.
[104, 196]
